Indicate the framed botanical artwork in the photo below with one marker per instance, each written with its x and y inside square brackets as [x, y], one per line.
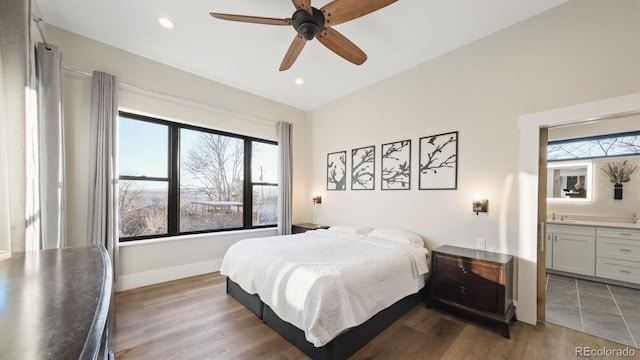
[439, 162]
[396, 166]
[363, 168]
[337, 170]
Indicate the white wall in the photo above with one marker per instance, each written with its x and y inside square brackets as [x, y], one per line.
[155, 261]
[578, 52]
[594, 128]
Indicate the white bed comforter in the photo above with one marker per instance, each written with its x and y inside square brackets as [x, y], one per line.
[323, 282]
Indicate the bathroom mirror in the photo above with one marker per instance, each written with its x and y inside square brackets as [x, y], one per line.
[569, 181]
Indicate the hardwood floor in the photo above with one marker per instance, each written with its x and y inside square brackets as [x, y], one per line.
[195, 319]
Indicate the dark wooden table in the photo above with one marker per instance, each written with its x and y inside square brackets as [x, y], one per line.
[54, 304]
[474, 281]
[300, 228]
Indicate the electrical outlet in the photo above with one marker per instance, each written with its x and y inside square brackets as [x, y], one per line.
[481, 243]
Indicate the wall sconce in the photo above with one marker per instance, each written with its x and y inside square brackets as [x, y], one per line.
[480, 206]
[316, 199]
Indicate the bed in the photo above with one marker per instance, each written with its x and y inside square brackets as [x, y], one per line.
[329, 292]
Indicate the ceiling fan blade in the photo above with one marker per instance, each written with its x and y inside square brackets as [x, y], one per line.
[293, 52]
[339, 11]
[303, 4]
[342, 46]
[252, 19]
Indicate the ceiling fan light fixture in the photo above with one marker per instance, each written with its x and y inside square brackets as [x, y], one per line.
[307, 25]
[166, 23]
[308, 30]
[299, 81]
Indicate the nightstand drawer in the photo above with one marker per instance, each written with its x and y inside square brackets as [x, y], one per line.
[301, 228]
[484, 296]
[464, 269]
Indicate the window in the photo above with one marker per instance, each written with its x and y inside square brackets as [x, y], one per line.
[211, 181]
[264, 184]
[612, 145]
[179, 179]
[144, 178]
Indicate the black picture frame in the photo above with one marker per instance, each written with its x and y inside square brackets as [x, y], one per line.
[363, 168]
[438, 162]
[395, 173]
[337, 171]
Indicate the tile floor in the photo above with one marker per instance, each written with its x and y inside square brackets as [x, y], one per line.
[608, 311]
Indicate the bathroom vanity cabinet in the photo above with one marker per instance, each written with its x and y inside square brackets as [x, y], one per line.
[618, 254]
[572, 249]
[601, 250]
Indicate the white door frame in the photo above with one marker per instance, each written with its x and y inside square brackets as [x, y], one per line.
[529, 126]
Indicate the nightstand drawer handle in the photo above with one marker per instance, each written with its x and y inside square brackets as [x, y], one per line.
[463, 290]
[625, 271]
[625, 250]
[463, 269]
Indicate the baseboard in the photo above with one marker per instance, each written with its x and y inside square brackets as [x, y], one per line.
[136, 280]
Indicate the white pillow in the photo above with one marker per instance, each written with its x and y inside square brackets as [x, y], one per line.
[351, 230]
[397, 235]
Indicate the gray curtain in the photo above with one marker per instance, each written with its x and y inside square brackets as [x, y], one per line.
[52, 188]
[103, 171]
[5, 223]
[285, 193]
[19, 227]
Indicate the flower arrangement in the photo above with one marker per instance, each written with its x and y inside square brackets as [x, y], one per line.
[618, 172]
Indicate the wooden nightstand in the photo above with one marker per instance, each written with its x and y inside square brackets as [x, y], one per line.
[300, 228]
[474, 281]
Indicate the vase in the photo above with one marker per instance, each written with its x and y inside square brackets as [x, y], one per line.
[617, 192]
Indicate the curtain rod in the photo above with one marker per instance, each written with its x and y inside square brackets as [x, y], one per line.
[37, 21]
[217, 109]
[184, 100]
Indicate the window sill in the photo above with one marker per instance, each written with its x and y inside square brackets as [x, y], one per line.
[199, 236]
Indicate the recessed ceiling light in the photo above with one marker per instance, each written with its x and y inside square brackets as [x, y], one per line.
[166, 22]
[299, 81]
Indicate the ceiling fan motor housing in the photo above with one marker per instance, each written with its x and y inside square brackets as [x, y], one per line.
[307, 25]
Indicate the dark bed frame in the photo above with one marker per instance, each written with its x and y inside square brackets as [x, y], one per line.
[341, 347]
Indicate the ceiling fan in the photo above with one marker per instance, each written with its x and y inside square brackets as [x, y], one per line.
[311, 23]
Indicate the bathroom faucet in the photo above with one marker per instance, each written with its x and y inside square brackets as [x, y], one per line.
[562, 218]
[553, 216]
[635, 218]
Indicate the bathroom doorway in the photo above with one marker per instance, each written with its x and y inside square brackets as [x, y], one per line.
[585, 293]
[583, 300]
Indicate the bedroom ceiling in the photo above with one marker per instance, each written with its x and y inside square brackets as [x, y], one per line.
[247, 56]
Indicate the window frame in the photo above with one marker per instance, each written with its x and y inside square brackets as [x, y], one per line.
[173, 179]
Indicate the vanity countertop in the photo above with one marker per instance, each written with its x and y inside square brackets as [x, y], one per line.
[619, 225]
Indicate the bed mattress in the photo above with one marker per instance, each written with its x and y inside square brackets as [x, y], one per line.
[324, 282]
